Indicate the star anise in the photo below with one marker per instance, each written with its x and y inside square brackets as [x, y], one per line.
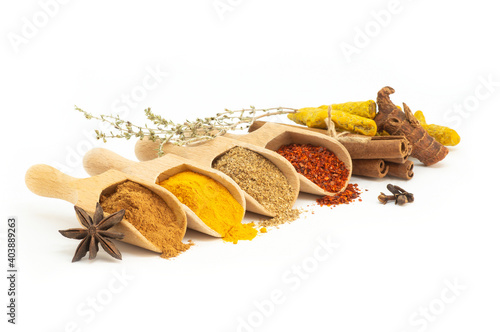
[95, 232]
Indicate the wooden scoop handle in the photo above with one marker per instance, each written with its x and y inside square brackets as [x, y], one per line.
[256, 138]
[202, 153]
[145, 150]
[99, 160]
[47, 181]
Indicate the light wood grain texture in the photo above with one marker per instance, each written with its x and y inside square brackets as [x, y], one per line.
[205, 153]
[47, 181]
[99, 160]
[273, 135]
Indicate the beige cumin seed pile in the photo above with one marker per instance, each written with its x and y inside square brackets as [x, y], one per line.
[262, 180]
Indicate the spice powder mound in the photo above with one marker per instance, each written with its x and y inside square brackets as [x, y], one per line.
[212, 203]
[262, 180]
[324, 169]
[149, 214]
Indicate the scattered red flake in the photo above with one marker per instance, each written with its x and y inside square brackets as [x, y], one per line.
[347, 196]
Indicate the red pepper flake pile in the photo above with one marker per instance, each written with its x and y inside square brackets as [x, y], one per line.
[324, 169]
[318, 164]
[347, 196]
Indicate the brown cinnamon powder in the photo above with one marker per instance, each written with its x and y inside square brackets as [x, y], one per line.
[149, 214]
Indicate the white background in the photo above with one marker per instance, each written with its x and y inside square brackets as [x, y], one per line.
[392, 263]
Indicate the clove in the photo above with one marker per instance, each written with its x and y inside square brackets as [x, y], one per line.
[401, 199]
[399, 195]
[383, 198]
[408, 195]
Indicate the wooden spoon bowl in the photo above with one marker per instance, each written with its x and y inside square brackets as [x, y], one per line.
[47, 181]
[207, 152]
[273, 135]
[99, 160]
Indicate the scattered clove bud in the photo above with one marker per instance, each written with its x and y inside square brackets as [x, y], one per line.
[399, 195]
[401, 199]
[383, 198]
[408, 195]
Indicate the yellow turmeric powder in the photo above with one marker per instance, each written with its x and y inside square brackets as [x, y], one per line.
[212, 203]
[442, 134]
[314, 117]
[240, 231]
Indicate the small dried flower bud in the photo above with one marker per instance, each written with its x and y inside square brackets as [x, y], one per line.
[392, 189]
[408, 195]
[401, 200]
[383, 198]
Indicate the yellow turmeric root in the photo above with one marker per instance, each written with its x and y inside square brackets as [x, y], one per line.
[366, 109]
[442, 134]
[314, 117]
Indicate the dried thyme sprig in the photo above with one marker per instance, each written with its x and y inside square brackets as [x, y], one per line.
[190, 132]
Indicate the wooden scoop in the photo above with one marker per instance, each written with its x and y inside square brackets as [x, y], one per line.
[205, 153]
[99, 160]
[47, 181]
[273, 135]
